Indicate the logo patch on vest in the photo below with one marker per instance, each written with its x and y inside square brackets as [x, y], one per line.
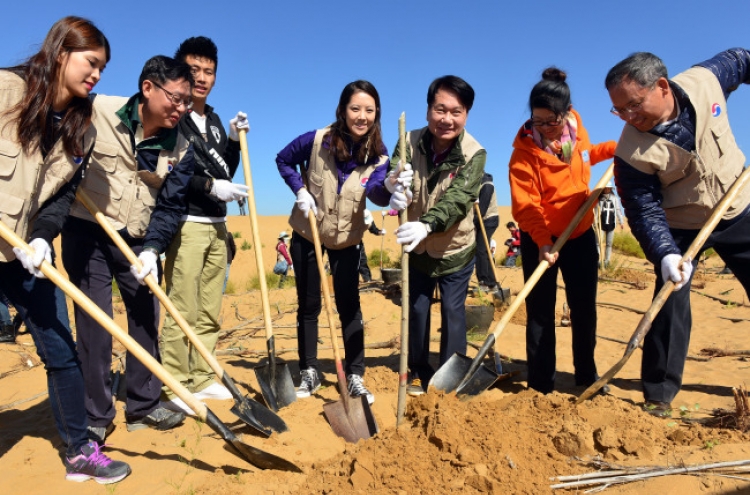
[363, 181]
[77, 160]
[216, 133]
[170, 166]
[585, 155]
[715, 109]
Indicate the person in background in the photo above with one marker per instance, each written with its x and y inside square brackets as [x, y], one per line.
[138, 176]
[195, 267]
[43, 166]
[334, 166]
[231, 252]
[241, 204]
[675, 160]
[549, 171]
[513, 243]
[488, 209]
[364, 269]
[609, 211]
[438, 193]
[7, 330]
[283, 260]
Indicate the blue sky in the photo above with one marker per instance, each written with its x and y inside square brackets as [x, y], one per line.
[285, 63]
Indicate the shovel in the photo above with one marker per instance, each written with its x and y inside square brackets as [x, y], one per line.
[274, 378]
[467, 376]
[648, 318]
[251, 412]
[254, 456]
[351, 417]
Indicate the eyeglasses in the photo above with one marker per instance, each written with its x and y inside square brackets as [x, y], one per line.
[176, 100]
[547, 123]
[631, 108]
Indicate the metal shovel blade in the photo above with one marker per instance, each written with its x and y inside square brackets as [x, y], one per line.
[277, 387]
[258, 416]
[454, 375]
[252, 412]
[450, 375]
[253, 455]
[352, 425]
[478, 382]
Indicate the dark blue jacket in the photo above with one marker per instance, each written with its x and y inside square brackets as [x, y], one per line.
[641, 193]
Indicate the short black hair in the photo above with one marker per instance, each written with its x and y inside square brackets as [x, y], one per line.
[198, 46]
[510, 225]
[455, 84]
[161, 69]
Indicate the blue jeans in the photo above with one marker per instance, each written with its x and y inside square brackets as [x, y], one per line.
[453, 288]
[42, 306]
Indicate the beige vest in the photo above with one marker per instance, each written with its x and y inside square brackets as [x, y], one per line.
[492, 208]
[341, 216]
[692, 183]
[127, 196]
[27, 181]
[459, 235]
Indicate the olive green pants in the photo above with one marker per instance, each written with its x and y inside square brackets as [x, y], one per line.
[194, 269]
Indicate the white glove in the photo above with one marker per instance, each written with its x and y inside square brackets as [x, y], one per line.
[671, 269]
[238, 123]
[305, 202]
[382, 231]
[411, 233]
[148, 260]
[400, 199]
[42, 252]
[227, 191]
[404, 178]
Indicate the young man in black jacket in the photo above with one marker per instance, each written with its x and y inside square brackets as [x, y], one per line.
[197, 258]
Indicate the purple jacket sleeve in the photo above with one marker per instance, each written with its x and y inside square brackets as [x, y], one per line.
[293, 158]
[375, 189]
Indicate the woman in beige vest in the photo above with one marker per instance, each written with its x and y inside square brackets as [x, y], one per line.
[327, 170]
[45, 137]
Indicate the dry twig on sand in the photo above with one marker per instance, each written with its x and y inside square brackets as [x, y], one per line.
[739, 419]
[626, 475]
[727, 302]
[388, 344]
[716, 352]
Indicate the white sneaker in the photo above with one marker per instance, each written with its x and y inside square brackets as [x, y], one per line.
[177, 405]
[215, 391]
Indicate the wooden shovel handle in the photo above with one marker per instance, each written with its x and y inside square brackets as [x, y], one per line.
[405, 296]
[644, 326]
[256, 236]
[108, 323]
[478, 213]
[151, 282]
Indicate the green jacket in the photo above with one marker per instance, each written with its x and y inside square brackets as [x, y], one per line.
[454, 205]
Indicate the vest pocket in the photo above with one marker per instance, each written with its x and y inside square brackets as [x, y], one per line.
[11, 208]
[9, 152]
[104, 157]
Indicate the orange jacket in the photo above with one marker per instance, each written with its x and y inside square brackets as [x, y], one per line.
[547, 192]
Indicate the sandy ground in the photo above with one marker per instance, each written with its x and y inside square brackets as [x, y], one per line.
[506, 440]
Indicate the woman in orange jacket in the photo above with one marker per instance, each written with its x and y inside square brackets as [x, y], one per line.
[550, 170]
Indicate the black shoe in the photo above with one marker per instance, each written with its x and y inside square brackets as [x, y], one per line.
[658, 409]
[91, 463]
[7, 333]
[99, 433]
[160, 418]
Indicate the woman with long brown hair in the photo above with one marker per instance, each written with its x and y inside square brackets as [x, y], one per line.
[336, 162]
[45, 137]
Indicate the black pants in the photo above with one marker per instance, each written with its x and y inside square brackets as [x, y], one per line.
[485, 271]
[364, 270]
[578, 264]
[665, 347]
[344, 267]
[453, 289]
[92, 260]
